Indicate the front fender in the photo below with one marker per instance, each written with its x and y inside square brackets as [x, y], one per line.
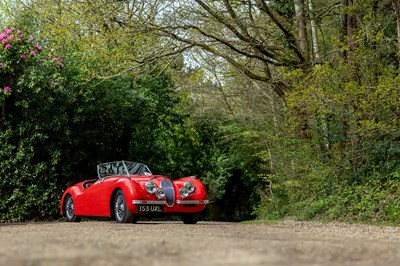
[132, 190]
[200, 191]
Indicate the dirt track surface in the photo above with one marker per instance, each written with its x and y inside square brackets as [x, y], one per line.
[206, 243]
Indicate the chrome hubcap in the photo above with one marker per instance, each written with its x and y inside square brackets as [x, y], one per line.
[120, 207]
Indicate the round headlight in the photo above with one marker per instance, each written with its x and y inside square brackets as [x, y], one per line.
[189, 186]
[151, 187]
[160, 193]
[184, 192]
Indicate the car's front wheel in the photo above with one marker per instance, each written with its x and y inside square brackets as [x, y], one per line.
[190, 218]
[69, 210]
[121, 212]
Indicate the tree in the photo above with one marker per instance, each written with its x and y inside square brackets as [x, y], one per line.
[111, 37]
[302, 28]
[314, 35]
[396, 6]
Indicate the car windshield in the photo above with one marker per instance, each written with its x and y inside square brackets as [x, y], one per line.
[122, 168]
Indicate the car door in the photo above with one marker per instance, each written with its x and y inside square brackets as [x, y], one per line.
[100, 196]
[83, 201]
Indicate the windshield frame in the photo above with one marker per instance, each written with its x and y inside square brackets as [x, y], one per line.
[121, 168]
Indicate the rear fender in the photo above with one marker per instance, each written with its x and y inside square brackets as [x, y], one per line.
[73, 191]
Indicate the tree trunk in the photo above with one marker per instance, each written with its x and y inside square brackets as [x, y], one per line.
[351, 27]
[396, 6]
[343, 27]
[348, 28]
[302, 29]
[314, 36]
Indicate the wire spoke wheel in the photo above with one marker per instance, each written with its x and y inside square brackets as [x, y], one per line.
[69, 210]
[120, 207]
[121, 212]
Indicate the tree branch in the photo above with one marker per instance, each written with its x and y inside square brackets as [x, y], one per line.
[270, 58]
[284, 26]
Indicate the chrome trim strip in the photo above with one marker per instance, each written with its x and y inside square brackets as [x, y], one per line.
[192, 201]
[149, 202]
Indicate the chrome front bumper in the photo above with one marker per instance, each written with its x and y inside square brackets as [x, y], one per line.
[153, 202]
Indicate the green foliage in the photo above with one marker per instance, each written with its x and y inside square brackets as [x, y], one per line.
[352, 163]
[27, 185]
[30, 114]
[343, 129]
[227, 166]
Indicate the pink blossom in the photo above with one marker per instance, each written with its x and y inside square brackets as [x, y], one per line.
[39, 48]
[7, 31]
[59, 64]
[10, 38]
[57, 59]
[1, 65]
[30, 39]
[8, 46]
[32, 53]
[3, 36]
[4, 41]
[23, 57]
[6, 88]
[19, 33]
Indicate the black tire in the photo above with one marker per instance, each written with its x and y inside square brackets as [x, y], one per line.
[121, 212]
[69, 210]
[135, 218]
[190, 218]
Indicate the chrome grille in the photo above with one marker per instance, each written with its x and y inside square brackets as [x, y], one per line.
[169, 192]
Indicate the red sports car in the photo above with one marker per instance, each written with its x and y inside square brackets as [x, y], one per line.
[128, 190]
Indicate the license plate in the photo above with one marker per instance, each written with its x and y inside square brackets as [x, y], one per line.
[150, 208]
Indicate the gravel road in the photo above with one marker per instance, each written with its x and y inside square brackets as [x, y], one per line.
[206, 243]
